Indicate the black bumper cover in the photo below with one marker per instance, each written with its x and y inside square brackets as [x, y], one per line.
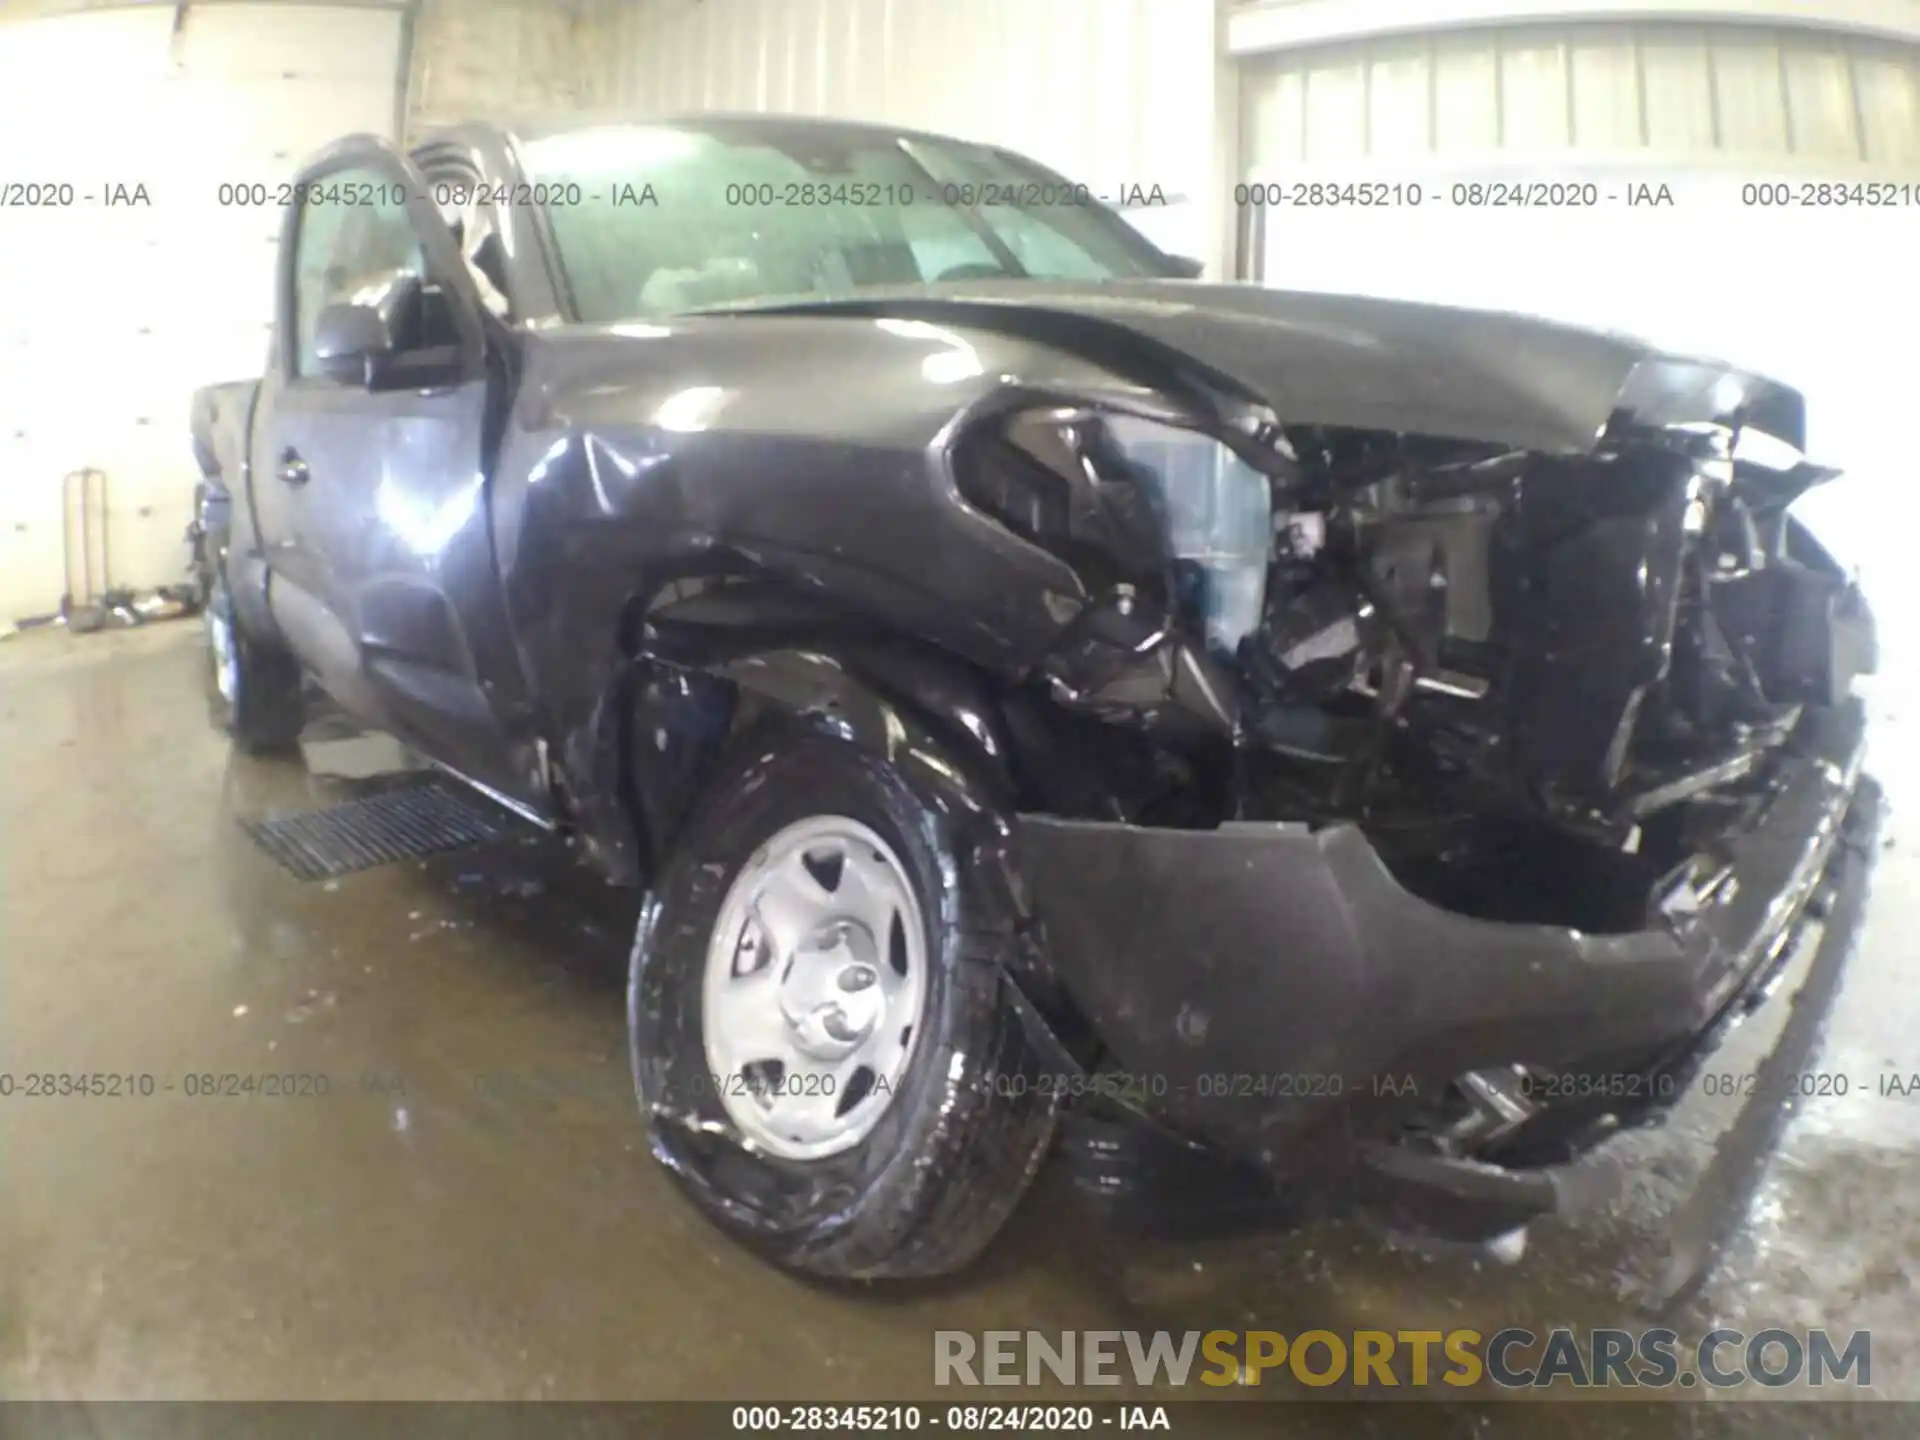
[1275, 991]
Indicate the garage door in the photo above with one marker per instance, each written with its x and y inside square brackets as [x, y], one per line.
[133, 277]
[1696, 186]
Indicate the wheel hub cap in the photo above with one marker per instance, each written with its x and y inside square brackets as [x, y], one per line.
[831, 996]
[814, 987]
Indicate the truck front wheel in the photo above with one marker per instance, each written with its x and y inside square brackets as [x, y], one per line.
[819, 1034]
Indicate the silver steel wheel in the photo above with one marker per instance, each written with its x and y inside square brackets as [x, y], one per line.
[815, 988]
[226, 659]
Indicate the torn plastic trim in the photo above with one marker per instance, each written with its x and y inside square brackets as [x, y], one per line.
[1670, 392]
[1246, 425]
[1273, 950]
[1474, 1201]
[1699, 1228]
[1759, 422]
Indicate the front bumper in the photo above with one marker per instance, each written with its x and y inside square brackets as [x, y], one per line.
[1275, 992]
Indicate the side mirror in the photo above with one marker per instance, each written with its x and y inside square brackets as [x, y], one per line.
[394, 330]
[350, 341]
[1188, 268]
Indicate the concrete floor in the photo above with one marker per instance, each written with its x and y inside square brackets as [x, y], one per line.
[428, 1229]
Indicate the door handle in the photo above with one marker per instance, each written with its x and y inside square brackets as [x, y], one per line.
[293, 470]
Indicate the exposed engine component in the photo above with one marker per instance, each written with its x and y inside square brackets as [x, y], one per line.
[1504, 664]
[1315, 645]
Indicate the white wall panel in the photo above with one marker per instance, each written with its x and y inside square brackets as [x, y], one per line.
[1676, 89]
[1818, 296]
[74, 269]
[1690, 94]
[1337, 111]
[1535, 97]
[1466, 94]
[116, 315]
[1399, 108]
[1887, 93]
[1820, 106]
[119, 313]
[1603, 71]
[481, 59]
[1112, 92]
[1749, 98]
[1273, 120]
[1263, 26]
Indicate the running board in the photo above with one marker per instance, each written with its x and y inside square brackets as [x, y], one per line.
[423, 818]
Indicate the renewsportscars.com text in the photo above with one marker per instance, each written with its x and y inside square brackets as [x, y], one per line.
[1512, 1358]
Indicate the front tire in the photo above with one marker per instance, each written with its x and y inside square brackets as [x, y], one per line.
[255, 692]
[819, 1034]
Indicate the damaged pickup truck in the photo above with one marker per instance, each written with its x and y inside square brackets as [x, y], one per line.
[1379, 746]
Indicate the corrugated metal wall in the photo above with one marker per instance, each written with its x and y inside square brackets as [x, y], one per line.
[471, 58]
[1813, 293]
[1107, 91]
[1653, 92]
[477, 59]
[1266, 26]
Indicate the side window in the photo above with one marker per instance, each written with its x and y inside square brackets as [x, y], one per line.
[353, 226]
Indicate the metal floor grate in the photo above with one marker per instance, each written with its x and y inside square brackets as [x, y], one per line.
[374, 830]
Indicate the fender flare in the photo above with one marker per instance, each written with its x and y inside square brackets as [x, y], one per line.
[922, 715]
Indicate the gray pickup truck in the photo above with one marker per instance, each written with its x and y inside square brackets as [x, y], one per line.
[1376, 746]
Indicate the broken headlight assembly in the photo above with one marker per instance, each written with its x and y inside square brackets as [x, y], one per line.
[1170, 519]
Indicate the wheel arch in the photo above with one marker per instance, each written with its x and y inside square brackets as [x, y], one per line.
[696, 684]
[924, 714]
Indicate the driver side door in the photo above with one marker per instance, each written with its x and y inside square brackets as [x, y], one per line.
[388, 585]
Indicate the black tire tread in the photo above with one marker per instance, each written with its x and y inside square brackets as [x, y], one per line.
[269, 711]
[272, 708]
[987, 1176]
[934, 1212]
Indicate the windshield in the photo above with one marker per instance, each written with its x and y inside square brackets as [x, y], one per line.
[652, 221]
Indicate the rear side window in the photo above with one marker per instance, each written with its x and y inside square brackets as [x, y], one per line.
[353, 228]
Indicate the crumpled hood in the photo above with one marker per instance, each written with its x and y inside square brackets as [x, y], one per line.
[1346, 360]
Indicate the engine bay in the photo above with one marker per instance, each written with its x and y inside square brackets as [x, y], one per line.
[1542, 684]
